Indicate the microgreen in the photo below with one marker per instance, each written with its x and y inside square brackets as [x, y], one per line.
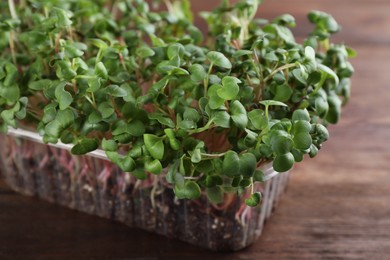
[142, 86]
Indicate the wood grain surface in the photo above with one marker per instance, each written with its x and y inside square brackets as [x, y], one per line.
[337, 205]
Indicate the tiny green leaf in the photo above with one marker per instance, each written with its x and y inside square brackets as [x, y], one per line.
[230, 88]
[272, 103]
[116, 91]
[253, 200]
[85, 145]
[231, 164]
[247, 164]
[109, 145]
[144, 52]
[127, 164]
[301, 114]
[302, 141]
[284, 162]
[197, 72]
[154, 145]
[196, 157]
[101, 71]
[39, 84]
[218, 59]
[238, 114]
[64, 97]
[153, 166]
[215, 194]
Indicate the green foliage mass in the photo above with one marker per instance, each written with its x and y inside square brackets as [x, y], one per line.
[145, 87]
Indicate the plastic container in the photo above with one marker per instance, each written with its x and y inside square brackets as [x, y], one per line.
[92, 184]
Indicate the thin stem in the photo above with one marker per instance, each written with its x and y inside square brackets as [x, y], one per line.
[12, 9]
[14, 15]
[284, 67]
[206, 80]
[12, 46]
[252, 186]
[213, 155]
[204, 128]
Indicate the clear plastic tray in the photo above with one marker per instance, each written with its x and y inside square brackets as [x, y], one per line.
[92, 184]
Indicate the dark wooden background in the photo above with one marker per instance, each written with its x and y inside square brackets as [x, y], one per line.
[337, 205]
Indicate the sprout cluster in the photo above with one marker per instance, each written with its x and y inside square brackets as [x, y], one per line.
[154, 93]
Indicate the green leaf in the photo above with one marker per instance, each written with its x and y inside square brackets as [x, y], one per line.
[65, 117]
[162, 119]
[230, 88]
[286, 20]
[254, 199]
[99, 43]
[313, 151]
[109, 145]
[157, 42]
[127, 164]
[283, 93]
[154, 145]
[322, 106]
[144, 52]
[310, 54]
[221, 119]
[215, 101]
[53, 128]
[191, 114]
[85, 145]
[302, 141]
[322, 132]
[94, 84]
[191, 190]
[10, 93]
[301, 126]
[196, 157]
[241, 53]
[334, 113]
[134, 128]
[298, 155]
[238, 114]
[153, 166]
[21, 114]
[172, 172]
[258, 176]
[198, 72]
[248, 164]
[215, 194]
[281, 144]
[106, 109]
[218, 59]
[62, 17]
[39, 84]
[284, 162]
[301, 114]
[101, 71]
[231, 164]
[329, 72]
[116, 91]
[12, 74]
[72, 52]
[258, 119]
[81, 64]
[175, 49]
[272, 103]
[63, 97]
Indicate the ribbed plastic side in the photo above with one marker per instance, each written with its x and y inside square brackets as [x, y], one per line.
[94, 185]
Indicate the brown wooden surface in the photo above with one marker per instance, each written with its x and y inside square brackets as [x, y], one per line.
[337, 205]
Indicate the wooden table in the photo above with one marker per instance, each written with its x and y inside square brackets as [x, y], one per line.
[337, 206]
